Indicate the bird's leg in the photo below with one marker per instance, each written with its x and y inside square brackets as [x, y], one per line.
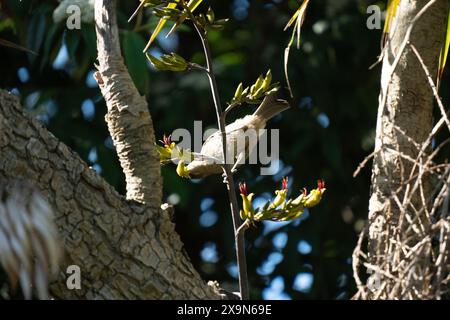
[239, 159]
[224, 176]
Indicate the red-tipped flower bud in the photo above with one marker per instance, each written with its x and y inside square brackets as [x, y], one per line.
[320, 185]
[243, 188]
[284, 183]
[166, 140]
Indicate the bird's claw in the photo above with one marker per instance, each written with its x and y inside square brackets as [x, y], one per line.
[225, 178]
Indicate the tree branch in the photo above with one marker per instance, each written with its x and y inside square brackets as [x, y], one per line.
[128, 118]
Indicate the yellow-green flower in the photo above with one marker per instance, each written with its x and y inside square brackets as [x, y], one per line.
[315, 195]
[300, 199]
[165, 152]
[248, 210]
[280, 195]
[182, 169]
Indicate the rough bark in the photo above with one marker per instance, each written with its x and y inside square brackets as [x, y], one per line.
[404, 123]
[124, 249]
[128, 118]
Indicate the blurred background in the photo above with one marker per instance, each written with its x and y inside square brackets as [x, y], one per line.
[326, 134]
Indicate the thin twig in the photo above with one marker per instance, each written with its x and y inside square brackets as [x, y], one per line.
[432, 85]
[363, 164]
[355, 265]
[244, 226]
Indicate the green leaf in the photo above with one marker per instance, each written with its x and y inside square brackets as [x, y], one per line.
[298, 14]
[158, 64]
[51, 39]
[6, 24]
[177, 58]
[175, 62]
[85, 50]
[262, 86]
[171, 62]
[192, 5]
[90, 39]
[36, 33]
[390, 15]
[158, 28]
[132, 47]
[167, 13]
[6, 43]
[259, 92]
[259, 82]
[238, 93]
[218, 24]
[298, 17]
[210, 15]
[145, 3]
[52, 44]
[267, 80]
[444, 53]
[72, 41]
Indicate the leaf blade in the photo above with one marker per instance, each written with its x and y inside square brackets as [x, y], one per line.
[444, 53]
[300, 11]
[132, 43]
[192, 5]
[390, 15]
[298, 17]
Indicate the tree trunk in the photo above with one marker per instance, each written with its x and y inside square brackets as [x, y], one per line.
[399, 220]
[128, 118]
[125, 250]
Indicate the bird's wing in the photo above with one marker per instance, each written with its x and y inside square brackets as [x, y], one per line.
[213, 145]
[240, 124]
[215, 134]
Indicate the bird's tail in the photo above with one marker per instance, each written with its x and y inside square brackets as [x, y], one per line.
[271, 106]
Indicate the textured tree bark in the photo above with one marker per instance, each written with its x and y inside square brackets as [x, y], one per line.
[404, 122]
[128, 117]
[126, 250]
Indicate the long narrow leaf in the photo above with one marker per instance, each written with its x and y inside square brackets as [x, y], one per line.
[286, 63]
[444, 53]
[300, 11]
[137, 10]
[298, 18]
[192, 5]
[10, 44]
[390, 15]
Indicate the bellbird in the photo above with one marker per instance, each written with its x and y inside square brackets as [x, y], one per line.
[211, 155]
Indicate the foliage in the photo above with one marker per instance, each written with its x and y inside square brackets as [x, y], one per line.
[298, 18]
[263, 86]
[444, 53]
[391, 11]
[280, 208]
